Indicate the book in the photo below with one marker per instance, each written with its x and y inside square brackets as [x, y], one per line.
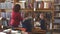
[47, 4]
[9, 5]
[2, 6]
[3, 14]
[40, 4]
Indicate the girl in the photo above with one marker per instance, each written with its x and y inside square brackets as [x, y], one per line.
[42, 22]
[16, 17]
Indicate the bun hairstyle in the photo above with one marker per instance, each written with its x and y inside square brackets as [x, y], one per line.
[16, 8]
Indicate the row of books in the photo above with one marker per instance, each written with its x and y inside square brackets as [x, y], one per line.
[57, 1]
[6, 5]
[57, 7]
[25, 0]
[56, 20]
[5, 14]
[40, 4]
[45, 4]
[57, 14]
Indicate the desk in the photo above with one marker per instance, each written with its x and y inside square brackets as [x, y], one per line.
[38, 31]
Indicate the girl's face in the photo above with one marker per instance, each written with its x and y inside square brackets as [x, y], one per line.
[41, 16]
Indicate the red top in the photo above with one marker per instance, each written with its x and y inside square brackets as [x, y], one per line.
[15, 18]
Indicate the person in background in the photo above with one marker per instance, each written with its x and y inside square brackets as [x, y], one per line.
[42, 22]
[4, 20]
[27, 23]
[16, 16]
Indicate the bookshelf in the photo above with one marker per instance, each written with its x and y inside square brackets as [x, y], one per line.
[57, 14]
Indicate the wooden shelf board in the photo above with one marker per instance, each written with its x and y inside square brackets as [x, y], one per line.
[27, 10]
[40, 10]
[56, 28]
[44, 8]
[56, 23]
[57, 17]
[57, 4]
[6, 9]
[57, 11]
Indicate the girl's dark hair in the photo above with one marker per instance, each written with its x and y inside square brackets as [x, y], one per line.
[17, 8]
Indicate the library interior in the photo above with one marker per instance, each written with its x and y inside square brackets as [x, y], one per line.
[29, 16]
